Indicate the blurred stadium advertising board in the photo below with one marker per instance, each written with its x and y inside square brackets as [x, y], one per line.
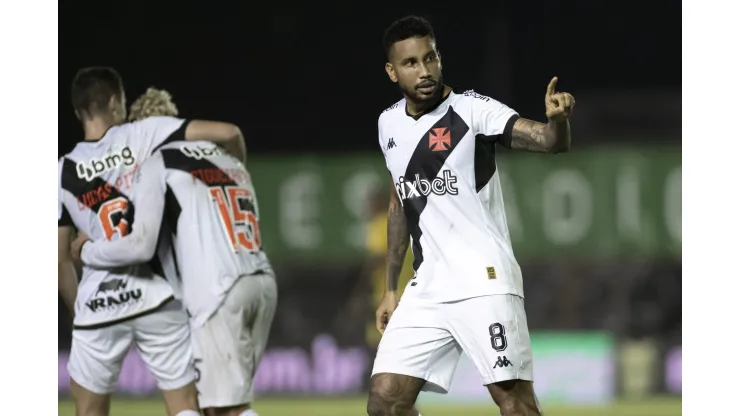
[585, 359]
[673, 370]
[323, 369]
[639, 368]
[591, 203]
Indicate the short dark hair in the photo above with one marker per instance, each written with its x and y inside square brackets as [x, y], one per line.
[406, 28]
[93, 87]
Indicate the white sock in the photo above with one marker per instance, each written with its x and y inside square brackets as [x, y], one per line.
[249, 412]
[188, 413]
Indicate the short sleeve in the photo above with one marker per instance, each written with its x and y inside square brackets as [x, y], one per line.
[380, 135]
[64, 218]
[159, 131]
[492, 120]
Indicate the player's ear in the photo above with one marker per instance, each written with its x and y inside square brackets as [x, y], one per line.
[391, 72]
[77, 114]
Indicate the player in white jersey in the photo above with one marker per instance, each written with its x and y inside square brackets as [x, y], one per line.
[114, 309]
[466, 294]
[203, 200]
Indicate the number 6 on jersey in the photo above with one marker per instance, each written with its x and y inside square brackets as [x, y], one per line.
[237, 211]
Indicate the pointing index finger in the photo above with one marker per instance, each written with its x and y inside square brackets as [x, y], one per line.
[551, 86]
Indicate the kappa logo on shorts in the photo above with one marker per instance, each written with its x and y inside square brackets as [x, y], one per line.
[500, 363]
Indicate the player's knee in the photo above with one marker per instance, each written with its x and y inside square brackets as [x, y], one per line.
[517, 406]
[376, 406]
[382, 404]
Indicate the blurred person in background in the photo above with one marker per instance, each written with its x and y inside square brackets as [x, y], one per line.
[466, 293]
[376, 244]
[200, 201]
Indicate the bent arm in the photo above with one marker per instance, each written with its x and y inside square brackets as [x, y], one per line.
[532, 136]
[225, 134]
[140, 244]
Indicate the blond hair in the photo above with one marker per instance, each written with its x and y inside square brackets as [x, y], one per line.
[153, 102]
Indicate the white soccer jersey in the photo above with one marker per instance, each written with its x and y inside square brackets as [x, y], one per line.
[443, 166]
[95, 182]
[205, 201]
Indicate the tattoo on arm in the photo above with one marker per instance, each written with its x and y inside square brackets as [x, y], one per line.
[398, 242]
[532, 136]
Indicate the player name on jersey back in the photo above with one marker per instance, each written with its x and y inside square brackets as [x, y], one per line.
[95, 184]
[444, 170]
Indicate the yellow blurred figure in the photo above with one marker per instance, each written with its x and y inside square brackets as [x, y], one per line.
[376, 244]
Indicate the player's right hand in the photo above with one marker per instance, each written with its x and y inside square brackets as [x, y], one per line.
[76, 246]
[388, 305]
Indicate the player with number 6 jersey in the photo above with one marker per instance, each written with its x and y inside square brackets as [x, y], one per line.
[204, 200]
[133, 305]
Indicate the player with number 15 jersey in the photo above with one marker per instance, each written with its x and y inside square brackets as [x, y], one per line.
[204, 200]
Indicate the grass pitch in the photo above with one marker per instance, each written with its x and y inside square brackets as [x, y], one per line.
[356, 406]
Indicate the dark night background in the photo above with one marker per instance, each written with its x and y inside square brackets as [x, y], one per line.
[310, 78]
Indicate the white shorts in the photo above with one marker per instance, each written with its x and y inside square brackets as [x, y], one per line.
[425, 340]
[162, 338]
[229, 346]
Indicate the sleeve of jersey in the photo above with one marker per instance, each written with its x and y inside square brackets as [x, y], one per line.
[65, 219]
[140, 245]
[493, 121]
[162, 130]
[381, 142]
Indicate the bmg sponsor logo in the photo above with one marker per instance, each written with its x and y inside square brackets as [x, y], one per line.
[200, 152]
[444, 185]
[94, 167]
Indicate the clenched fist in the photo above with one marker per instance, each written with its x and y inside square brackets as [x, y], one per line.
[558, 105]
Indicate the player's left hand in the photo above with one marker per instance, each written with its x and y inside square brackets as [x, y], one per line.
[558, 105]
[76, 247]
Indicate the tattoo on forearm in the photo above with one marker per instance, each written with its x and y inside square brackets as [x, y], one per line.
[532, 136]
[529, 135]
[398, 243]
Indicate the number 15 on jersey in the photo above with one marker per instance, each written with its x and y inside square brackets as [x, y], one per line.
[238, 216]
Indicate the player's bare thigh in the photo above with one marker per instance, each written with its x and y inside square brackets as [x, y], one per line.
[393, 395]
[515, 398]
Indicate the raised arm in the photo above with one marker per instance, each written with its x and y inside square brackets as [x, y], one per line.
[552, 137]
[140, 244]
[398, 240]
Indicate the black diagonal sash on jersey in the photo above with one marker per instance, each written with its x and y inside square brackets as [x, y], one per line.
[484, 161]
[95, 193]
[427, 163]
[200, 169]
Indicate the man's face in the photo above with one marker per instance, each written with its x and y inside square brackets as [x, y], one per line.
[415, 65]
